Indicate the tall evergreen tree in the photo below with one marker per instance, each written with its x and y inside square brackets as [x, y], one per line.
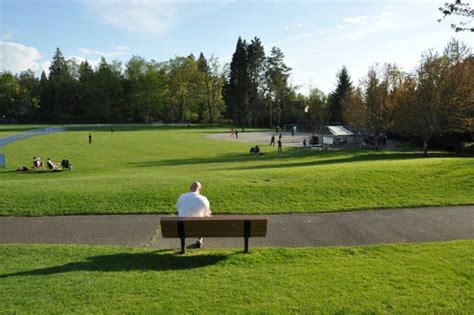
[87, 88]
[61, 92]
[256, 58]
[337, 97]
[278, 89]
[202, 86]
[58, 65]
[236, 95]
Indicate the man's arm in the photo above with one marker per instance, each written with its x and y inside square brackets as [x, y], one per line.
[208, 208]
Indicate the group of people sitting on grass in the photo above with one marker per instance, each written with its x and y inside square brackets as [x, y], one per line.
[40, 165]
[255, 150]
[65, 165]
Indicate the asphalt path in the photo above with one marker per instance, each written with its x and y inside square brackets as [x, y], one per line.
[285, 230]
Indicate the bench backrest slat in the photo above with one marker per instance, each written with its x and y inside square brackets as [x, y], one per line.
[216, 226]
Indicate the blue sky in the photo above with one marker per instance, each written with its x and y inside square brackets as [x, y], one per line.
[317, 37]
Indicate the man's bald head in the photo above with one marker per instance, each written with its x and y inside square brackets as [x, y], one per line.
[196, 187]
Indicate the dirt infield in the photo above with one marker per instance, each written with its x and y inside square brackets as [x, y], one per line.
[263, 138]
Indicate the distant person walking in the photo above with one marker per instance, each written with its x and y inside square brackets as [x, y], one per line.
[236, 133]
[232, 132]
[193, 204]
[280, 149]
[112, 129]
[90, 137]
[272, 140]
[293, 131]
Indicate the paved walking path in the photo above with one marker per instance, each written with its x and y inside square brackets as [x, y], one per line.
[291, 230]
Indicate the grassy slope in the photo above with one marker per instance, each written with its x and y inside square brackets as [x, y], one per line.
[421, 278]
[146, 170]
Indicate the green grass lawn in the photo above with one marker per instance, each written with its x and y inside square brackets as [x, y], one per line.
[433, 278]
[144, 170]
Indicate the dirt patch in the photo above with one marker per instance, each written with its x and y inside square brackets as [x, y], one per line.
[263, 138]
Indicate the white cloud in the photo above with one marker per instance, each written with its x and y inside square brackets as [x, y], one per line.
[44, 66]
[383, 20]
[93, 62]
[116, 52]
[6, 36]
[298, 25]
[356, 20]
[85, 51]
[304, 36]
[140, 16]
[17, 57]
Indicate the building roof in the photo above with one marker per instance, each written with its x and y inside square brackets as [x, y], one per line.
[339, 131]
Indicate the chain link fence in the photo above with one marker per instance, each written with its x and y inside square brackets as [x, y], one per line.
[29, 133]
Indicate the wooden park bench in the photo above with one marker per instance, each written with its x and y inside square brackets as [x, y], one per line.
[245, 226]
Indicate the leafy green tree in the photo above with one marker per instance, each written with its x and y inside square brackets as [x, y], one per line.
[30, 93]
[318, 108]
[146, 88]
[211, 80]
[9, 93]
[182, 78]
[425, 115]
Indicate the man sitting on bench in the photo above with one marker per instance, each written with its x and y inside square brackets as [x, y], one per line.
[193, 204]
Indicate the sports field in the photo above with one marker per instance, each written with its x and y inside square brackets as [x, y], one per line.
[144, 170]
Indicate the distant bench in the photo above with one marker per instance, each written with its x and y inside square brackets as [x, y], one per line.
[215, 226]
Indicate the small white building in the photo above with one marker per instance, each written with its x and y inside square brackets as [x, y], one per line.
[336, 135]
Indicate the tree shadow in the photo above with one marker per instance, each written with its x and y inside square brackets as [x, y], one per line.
[355, 158]
[321, 158]
[124, 127]
[150, 261]
[222, 158]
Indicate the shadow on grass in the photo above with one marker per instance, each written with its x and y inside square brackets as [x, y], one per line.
[349, 159]
[31, 172]
[152, 261]
[147, 127]
[320, 158]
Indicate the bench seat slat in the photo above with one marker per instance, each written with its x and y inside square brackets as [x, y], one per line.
[216, 226]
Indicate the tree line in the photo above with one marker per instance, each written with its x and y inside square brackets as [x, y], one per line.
[184, 88]
[254, 91]
[434, 103]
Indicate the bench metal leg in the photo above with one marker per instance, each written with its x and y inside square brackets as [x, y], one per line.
[246, 236]
[183, 246]
[182, 237]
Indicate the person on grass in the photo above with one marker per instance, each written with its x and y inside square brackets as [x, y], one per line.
[272, 140]
[193, 204]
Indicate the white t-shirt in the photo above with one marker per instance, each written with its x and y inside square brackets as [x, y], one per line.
[192, 204]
